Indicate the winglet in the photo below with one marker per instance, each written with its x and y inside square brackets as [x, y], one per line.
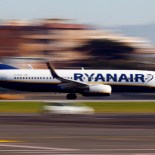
[30, 67]
[54, 74]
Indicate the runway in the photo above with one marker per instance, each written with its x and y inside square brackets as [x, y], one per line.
[114, 96]
[101, 134]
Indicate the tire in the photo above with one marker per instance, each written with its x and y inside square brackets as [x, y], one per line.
[71, 96]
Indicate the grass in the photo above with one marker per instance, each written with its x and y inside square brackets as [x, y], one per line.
[15, 107]
[104, 107]
[123, 107]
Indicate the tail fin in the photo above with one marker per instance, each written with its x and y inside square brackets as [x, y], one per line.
[4, 66]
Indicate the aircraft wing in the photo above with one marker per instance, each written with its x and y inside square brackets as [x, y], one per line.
[66, 83]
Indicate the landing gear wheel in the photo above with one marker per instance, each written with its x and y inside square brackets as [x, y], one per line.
[71, 96]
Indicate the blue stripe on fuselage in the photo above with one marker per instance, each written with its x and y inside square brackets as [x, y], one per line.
[32, 87]
[54, 87]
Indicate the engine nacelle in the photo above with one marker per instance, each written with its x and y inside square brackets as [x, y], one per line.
[98, 90]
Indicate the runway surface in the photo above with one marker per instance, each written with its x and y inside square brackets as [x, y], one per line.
[99, 134]
[114, 96]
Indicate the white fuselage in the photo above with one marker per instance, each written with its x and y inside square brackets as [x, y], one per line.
[22, 79]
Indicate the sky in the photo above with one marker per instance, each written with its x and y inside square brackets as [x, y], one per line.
[94, 12]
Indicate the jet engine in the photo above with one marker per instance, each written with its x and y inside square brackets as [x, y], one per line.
[98, 90]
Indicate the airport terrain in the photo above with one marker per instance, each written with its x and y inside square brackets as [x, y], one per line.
[123, 131]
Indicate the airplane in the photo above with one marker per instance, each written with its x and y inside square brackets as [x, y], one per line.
[79, 81]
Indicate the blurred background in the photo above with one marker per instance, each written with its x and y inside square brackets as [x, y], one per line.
[90, 34]
[100, 34]
[71, 45]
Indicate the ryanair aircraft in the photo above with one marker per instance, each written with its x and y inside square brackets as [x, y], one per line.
[85, 82]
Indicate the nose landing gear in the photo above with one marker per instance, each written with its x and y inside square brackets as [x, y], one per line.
[71, 96]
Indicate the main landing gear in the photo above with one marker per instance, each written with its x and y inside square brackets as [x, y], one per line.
[71, 96]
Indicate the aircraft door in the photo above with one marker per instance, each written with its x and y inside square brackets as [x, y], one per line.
[2, 77]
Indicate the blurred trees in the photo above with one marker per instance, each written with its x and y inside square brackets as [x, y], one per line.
[109, 49]
[108, 54]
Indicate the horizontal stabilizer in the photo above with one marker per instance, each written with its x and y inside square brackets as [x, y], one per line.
[4, 66]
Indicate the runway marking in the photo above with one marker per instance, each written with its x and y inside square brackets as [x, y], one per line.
[84, 136]
[36, 147]
[68, 149]
[123, 149]
[45, 152]
[9, 141]
[33, 151]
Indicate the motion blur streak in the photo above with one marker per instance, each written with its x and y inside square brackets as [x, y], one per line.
[69, 44]
[26, 44]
